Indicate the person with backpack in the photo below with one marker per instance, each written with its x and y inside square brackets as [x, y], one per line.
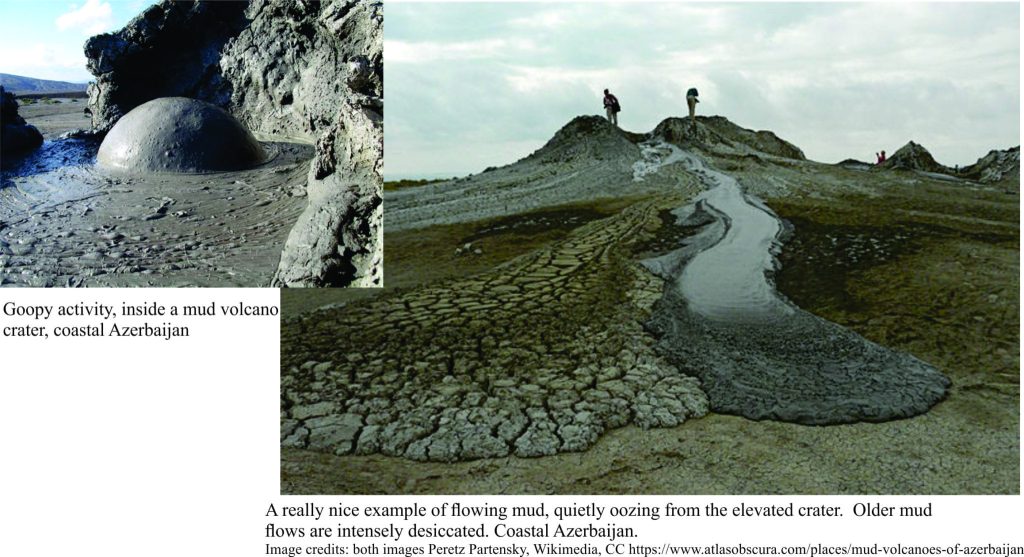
[611, 107]
[691, 101]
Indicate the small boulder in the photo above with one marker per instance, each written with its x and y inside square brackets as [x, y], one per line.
[16, 135]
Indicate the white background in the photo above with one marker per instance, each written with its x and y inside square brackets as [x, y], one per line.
[151, 447]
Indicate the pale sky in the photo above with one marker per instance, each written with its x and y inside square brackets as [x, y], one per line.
[44, 39]
[477, 85]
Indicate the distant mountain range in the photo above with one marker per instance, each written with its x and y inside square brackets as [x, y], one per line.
[19, 84]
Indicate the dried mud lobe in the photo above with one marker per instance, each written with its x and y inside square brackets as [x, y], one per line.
[311, 71]
[540, 356]
[176, 134]
[16, 135]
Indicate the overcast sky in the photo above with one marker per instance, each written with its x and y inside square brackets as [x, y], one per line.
[476, 85]
[44, 39]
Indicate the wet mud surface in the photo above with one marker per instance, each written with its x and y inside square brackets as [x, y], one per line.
[800, 368]
[56, 116]
[756, 354]
[64, 222]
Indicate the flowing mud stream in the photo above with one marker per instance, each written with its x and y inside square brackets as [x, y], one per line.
[728, 280]
[756, 354]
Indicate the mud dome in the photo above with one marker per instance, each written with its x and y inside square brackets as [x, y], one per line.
[308, 71]
[176, 134]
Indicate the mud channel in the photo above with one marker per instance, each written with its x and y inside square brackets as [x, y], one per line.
[65, 222]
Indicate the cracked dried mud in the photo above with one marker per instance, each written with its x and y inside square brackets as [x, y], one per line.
[521, 364]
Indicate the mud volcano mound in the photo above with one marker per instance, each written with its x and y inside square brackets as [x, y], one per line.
[176, 134]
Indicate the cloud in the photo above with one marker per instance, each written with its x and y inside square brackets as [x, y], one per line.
[92, 18]
[45, 61]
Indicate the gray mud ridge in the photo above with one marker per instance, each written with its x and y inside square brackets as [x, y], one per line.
[306, 71]
[588, 159]
[800, 369]
[15, 134]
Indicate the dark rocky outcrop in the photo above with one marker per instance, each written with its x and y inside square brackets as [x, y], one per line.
[913, 156]
[595, 138]
[16, 135]
[304, 69]
[717, 132]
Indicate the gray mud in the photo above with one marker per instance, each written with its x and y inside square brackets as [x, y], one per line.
[800, 369]
[542, 356]
[545, 314]
[65, 222]
[756, 354]
[307, 70]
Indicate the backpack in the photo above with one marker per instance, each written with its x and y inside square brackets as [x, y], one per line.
[615, 106]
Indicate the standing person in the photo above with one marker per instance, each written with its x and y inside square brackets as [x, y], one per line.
[691, 101]
[611, 107]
